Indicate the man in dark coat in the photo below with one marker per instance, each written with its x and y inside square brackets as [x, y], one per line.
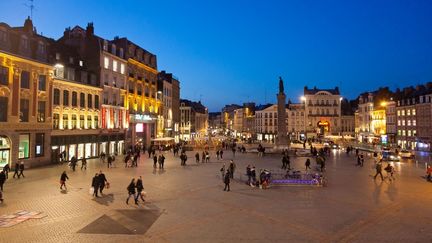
[6, 170]
[140, 187]
[227, 182]
[21, 169]
[102, 181]
[16, 170]
[2, 179]
[95, 184]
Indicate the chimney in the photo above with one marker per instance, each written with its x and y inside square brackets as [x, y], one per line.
[90, 29]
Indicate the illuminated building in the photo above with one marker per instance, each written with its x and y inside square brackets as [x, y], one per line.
[169, 86]
[244, 121]
[228, 116]
[76, 106]
[25, 95]
[142, 99]
[193, 120]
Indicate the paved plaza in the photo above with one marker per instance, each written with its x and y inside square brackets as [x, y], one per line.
[187, 204]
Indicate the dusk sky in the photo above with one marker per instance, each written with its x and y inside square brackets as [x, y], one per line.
[234, 51]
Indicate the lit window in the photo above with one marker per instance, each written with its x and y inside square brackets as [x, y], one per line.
[414, 133]
[398, 113]
[409, 133]
[106, 62]
[414, 123]
[399, 132]
[413, 112]
[81, 63]
[399, 122]
[403, 132]
[403, 112]
[403, 122]
[115, 66]
[409, 122]
[122, 68]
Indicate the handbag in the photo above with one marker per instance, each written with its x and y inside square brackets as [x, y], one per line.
[107, 185]
[91, 191]
[143, 193]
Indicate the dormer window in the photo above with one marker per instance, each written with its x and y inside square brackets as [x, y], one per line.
[121, 53]
[24, 42]
[41, 48]
[105, 46]
[113, 49]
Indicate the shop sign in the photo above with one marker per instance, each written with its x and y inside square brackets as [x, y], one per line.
[142, 118]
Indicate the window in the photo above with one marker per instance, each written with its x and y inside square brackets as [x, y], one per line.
[409, 133]
[106, 81]
[4, 75]
[89, 101]
[398, 113]
[113, 49]
[105, 45]
[82, 100]
[96, 106]
[96, 122]
[74, 99]
[409, 123]
[41, 48]
[399, 132]
[24, 42]
[57, 56]
[403, 112]
[24, 110]
[399, 122]
[42, 83]
[414, 123]
[408, 112]
[74, 121]
[114, 66]
[403, 122]
[81, 63]
[3, 109]
[82, 121]
[89, 122]
[39, 148]
[59, 71]
[403, 132]
[414, 133]
[25, 80]
[65, 121]
[65, 98]
[122, 68]
[413, 112]
[3, 35]
[106, 62]
[121, 52]
[56, 121]
[24, 145]
[41, 111]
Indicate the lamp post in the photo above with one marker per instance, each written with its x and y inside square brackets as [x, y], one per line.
[303, 98]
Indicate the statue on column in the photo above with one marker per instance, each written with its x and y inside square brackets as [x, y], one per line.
[281, 86]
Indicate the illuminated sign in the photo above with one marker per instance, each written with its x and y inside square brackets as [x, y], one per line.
[323, 123]
[142, 118]
[139, 127]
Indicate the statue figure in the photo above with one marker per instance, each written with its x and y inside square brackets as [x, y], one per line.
[281, 86]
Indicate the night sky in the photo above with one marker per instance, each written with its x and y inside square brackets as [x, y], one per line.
[234, 51]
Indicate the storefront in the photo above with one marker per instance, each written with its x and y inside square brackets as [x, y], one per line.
[5, 147]
[142, 129]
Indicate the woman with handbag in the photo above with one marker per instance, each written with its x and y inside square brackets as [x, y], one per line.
[131, 191]
[140, 188]
[63, 179]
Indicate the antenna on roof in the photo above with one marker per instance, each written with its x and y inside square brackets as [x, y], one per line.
[31, 7]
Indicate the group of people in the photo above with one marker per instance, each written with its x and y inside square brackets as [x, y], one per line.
[135, 190]
[99, 182]
[158, 160]
[131, 159]
[205, 157]
[389, 169]
[228, 174]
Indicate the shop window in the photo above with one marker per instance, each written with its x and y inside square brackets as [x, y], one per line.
[89, 101]
[74, 99]
[3, 109]
[4, 75]
[65, 97]
[74, 121]
[56, 97]
[96, 122]
[56, 121]
[24, 145]
[96, 106]
[82, 100]
[24, 110]
[82, 121]
[25, 80]
[42, 83]
[39, 148]
[41, 111]
[65, 121]
[89, 122]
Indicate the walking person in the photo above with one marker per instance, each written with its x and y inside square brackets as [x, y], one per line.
[197, 157]
[284, 162]
[63, 179]
[390, 171]
[362, 159]
[249, 174]
[222, 170]
[84, 163]
[155, 160]
[16, 170]
[207, 157]
[140, 188]
[2, 179]
[227, 182]
[162, 161]
[102, 182]
[73, 162]
[358, 160]
[221, 154]
[378, 169]
[21, 169]
[109, 164]
[307, 164]
[288, 162]
[95, 185]
[232, 168]
[217, 154]
[6, 170]
[131, 191]
[203, 157]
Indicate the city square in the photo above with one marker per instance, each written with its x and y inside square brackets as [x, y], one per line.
[192, 207]
[227, 121]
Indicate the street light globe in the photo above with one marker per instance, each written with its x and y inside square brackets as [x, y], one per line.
[303, 98]
[383, 103]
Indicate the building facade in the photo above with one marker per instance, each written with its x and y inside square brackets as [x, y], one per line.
[169, 86]
[296, 121]
[25, 96]
[193, 120]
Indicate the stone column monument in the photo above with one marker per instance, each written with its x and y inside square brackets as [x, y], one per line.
[282, 138]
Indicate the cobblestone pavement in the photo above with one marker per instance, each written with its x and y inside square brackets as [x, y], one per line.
[192, 207]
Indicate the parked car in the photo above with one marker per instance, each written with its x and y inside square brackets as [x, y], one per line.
[406, 154]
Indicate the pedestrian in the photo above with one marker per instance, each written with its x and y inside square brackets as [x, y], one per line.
[63, 179]
[102, 182]
[6, 170]
[203, 157]
[249, 175]
[109, 164]
[140, 188]
[253, 176]
[390, 171]
[222, 170]
[155, 159]
[429, 173]
[21, 169]
[221, 154]
[307, 164]
[16, 170]
[227, 182]
[358, 160]
[233, 151]
[288, 162]
[95, 185]
[207, 157]
[2, 179]
[73, 162]
[131, 191]
[162, 161]
[378, 169]
[284, 162]
[102, 157]
[362, 159]
[197, 158]
[217, 154]
[84, 163]
[232, 168]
